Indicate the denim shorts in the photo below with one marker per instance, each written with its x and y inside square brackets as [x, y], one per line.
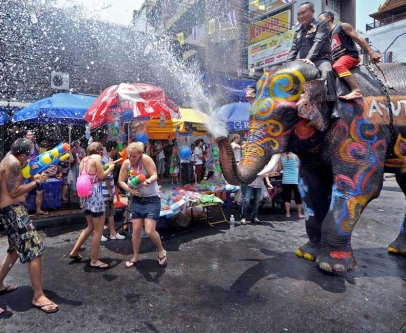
[146, 208]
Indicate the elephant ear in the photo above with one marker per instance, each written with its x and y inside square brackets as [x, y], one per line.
[312, 104]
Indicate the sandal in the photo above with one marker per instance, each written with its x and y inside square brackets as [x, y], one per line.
[131, 263]
[41, 307]
[76, 258]
[100, 266]
[163, 258]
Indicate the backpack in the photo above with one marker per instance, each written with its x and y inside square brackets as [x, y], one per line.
[84, 184]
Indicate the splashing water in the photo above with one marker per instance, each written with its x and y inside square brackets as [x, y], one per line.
[184, 78]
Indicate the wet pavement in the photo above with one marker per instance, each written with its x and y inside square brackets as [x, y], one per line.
[218, 280]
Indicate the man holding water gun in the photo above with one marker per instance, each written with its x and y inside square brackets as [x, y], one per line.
[24, 241]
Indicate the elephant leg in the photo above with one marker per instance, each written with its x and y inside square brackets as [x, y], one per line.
[398, 246]
[315, 189]
[349, 199]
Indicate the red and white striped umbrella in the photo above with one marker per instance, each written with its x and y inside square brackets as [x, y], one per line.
[143, 100]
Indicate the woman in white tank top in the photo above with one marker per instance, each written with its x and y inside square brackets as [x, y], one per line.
[146, 204]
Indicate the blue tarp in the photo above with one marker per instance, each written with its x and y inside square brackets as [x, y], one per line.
[61, 108]
[235, 115]
[3, 116]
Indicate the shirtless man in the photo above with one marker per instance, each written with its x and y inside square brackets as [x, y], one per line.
[24, 242]
[344, 52]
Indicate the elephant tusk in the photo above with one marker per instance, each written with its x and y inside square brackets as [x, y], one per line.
[271, 164]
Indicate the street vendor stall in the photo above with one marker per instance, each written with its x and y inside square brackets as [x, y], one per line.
[188, 122]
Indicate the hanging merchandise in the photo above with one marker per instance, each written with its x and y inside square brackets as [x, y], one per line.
[162, 119]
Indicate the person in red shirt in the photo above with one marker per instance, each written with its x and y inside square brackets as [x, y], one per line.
[344, 53]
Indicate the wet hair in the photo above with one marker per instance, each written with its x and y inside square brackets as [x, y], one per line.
[136, 147]
[111, 145]
[29, 131]
[328, 14]
[311, 4]
[95, 148]
[22, 146]
[253, 87]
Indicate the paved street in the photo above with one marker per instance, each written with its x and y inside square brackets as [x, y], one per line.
[217, 280]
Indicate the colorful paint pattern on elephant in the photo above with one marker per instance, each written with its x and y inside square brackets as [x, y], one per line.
[362, 148]
[303, 189]
[399, 149]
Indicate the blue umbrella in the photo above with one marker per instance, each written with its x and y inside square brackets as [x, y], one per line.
[61, 108]
[236, 115]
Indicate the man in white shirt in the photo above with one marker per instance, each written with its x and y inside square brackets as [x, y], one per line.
[198, 158]
[236, 147]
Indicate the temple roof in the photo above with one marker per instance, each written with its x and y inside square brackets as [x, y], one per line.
[389, 8]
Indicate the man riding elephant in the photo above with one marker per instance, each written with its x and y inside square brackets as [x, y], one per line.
[343, 159]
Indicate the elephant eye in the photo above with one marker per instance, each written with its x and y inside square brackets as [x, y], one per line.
[286, 85]
[262, 108]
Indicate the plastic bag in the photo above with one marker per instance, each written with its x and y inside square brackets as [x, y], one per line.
[239, 197]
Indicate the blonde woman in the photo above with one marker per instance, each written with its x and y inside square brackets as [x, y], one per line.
[146, 204]
[94, 205]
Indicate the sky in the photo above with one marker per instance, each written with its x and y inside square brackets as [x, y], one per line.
[363, 9]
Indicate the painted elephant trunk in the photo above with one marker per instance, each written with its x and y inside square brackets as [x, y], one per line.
[245, 172]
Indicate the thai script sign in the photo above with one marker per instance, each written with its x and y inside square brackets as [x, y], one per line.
[270, 27]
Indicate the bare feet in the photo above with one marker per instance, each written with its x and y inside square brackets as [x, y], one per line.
[352, 95]
[41, 212]
[301, 216]
[45, 304]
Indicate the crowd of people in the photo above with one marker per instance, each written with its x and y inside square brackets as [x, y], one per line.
[319, 42]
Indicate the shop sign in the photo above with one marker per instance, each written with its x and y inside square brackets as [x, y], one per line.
[261, 7]
[270, 27]
[270, 51]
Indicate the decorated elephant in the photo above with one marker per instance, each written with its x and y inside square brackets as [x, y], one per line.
[344, 150]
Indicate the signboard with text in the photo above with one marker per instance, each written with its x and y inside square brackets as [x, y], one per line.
[261, 7]
[272, 26]
[271, 51]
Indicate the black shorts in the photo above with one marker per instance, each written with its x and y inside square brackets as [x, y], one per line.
[21, 233]
[287, 193]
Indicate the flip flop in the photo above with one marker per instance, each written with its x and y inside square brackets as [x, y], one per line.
[77, 258]
[42, 213]
[8, 289]
[41, 307]
[130, 263]
[101, 266]
[165, 263]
